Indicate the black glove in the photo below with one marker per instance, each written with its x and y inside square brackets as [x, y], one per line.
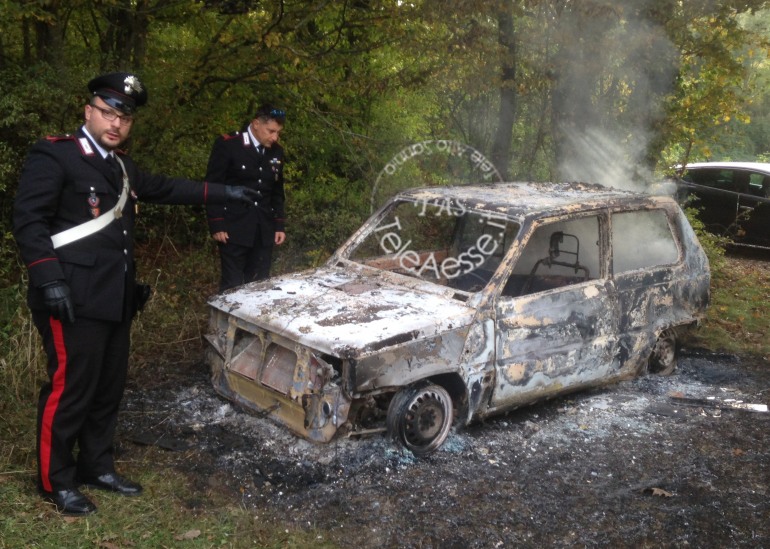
[142, 293]
[56, 296]
[242, 194]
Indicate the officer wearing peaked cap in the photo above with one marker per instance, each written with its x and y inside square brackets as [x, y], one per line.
[246, 236]
[120, 90]
[73, 222]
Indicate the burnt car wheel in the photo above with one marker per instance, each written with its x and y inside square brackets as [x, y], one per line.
[419, 417]
[664, 354]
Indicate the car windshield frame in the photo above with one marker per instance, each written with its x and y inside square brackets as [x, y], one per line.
[440, 240]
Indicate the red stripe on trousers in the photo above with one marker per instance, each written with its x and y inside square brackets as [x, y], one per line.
[52, 404]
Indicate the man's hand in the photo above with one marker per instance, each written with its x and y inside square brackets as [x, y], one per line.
[221, 237]
[56, 296]
[280, 237]
[244, 195]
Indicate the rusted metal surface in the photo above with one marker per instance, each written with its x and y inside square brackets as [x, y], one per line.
[502, 294]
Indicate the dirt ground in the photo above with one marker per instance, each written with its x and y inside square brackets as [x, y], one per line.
[629, 465]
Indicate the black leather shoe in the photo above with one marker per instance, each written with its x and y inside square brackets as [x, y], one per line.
[114, 483]
[70, 502]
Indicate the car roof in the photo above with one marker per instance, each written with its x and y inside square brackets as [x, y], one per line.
[524, 199]
[762, 167]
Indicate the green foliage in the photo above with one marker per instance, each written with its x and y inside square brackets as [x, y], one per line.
[362, 81]
[723, 66]
[712, 244]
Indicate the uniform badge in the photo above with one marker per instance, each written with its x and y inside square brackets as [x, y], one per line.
[131, 84]
[93, 204]
[85, 146]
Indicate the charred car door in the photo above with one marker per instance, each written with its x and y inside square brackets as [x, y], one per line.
[556, 318]
[646, 268]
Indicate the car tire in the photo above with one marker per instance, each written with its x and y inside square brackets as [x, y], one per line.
[665, 354]
[419, 417]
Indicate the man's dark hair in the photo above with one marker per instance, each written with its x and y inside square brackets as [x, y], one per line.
[268, 112]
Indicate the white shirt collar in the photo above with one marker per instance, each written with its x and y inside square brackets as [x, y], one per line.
[104, 152]
[254, 139]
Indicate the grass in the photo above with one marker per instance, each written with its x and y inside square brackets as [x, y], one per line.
[161, 517]
[737, 321]
[174, 511]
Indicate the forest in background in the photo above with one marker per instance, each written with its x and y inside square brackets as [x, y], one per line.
[545, 89]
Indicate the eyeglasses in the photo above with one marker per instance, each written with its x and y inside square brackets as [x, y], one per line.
[278, 113]
[110, 116]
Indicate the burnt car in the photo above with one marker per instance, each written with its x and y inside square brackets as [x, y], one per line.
[454, 303]
[733, 199]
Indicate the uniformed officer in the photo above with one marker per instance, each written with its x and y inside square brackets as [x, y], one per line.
[74, 224]
[246, 236]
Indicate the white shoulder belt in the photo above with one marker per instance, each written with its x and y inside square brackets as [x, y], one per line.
[90, 227]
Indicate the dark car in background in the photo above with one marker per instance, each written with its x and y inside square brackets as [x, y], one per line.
[733, 199]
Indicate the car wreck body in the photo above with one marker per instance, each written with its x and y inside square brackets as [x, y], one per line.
[455, 303]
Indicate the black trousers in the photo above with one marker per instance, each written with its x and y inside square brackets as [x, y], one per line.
[87, 368]
[242, 264]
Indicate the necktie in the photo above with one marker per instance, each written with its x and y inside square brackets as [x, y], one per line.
[261, 149]
[117, 171]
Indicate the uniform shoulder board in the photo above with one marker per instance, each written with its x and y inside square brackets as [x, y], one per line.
[228, 136]
[57, 138]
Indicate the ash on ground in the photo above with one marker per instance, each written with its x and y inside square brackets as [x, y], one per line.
[650, 462]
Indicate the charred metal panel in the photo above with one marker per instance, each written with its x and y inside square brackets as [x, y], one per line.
[478, 372]
[404, 364]
[271, 375]
[561, 338]
[659, 296]
[349, 312]
[520, 200]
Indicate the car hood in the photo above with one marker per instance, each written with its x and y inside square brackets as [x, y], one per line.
[346, 312]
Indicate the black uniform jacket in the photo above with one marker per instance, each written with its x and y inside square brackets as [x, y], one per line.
[62, 179]
[234, 160]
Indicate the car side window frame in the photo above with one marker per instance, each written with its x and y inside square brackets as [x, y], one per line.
[631, 255]
[595, 264]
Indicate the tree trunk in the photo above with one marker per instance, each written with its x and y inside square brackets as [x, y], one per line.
[124, 42]
[48, 35]
[501, 149]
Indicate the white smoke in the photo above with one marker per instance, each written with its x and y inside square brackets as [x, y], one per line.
[607, 133]
[599, 157]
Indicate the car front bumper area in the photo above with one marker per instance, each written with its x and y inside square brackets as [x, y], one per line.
[272, 377]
